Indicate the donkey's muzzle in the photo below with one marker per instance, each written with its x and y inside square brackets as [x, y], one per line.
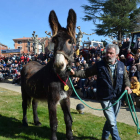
[59, 66]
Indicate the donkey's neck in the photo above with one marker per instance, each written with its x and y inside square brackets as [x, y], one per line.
[64, 75]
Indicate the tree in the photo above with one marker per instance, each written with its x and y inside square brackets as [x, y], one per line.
[104, 42]
[116, 17]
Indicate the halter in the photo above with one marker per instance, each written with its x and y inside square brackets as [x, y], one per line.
[70, 58]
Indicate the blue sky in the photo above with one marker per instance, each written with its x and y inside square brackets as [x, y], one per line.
[19, 18]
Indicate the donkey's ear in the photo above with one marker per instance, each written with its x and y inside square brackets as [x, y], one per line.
[54, 23]
[71, 23]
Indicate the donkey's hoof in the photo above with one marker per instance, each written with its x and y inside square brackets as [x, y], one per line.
[37, 124]
[25, 124]
[72, 138]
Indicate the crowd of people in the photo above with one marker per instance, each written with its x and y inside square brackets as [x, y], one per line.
[130, 58]
[11, 65]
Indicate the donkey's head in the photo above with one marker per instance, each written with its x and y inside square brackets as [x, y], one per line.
[63, 39]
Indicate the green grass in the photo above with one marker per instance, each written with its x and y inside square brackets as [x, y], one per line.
[85, 126]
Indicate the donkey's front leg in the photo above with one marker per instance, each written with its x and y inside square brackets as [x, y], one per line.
[65, 104]
[53, 119]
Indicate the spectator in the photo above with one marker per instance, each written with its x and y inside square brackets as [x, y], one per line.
[135, 86]
[22, 58]
[4, 65]
[128, 53]
[137, 44]
[98, 49]
[138, 51]
[124, 48]
[92, 88]
[81, 59]
[129, 62]
[136, 59]
[73, 66]
[77, 51]
[122, 59]
[85, 65]
[78, 66]
[134, 72]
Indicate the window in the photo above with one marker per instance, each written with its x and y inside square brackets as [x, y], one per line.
[29, 49]
[28, 43]
[19, 42]
[19, 47]
[135, 37]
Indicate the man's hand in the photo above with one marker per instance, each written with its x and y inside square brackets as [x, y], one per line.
[129, 91]
[72, 72]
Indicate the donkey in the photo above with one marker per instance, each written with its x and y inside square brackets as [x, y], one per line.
[50, 83]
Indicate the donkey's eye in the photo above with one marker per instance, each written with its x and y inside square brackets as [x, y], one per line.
[70, 41]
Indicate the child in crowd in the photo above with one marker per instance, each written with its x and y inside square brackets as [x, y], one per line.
[135, 86]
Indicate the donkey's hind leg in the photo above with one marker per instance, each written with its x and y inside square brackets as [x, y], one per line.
[65, 105]
[35, 116]
[25, 103]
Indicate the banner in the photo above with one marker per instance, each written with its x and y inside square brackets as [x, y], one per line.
[10, 51]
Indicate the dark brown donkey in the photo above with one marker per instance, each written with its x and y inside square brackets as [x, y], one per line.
[50, 83]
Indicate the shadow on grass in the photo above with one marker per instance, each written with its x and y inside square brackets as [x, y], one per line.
[85, 138]
[12, 128]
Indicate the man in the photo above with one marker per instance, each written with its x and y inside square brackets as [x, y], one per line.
[84, 64]
[98, 49]
[78, 66]
[137, 44]
[134, 72]
[112, 80]
[125, 46]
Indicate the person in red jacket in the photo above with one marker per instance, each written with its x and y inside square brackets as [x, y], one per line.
[22, 58]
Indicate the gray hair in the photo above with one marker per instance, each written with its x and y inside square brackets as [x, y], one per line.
[134, 67]
[113, 46]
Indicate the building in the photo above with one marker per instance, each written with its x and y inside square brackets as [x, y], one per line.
[26, 47]
[2, 47]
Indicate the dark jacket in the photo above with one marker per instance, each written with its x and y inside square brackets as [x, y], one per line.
[106, 74]
[105, 89]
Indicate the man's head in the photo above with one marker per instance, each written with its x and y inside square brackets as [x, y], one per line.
[112, 52]
[129, 50]
[77, 63]
[138, 38]
[133, 69]
[84, 62]
[124, 40]
[127, 39]
[122, 56]
[95, 77]
[99, 45]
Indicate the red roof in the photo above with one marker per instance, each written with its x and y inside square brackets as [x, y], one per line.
[25, 38]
